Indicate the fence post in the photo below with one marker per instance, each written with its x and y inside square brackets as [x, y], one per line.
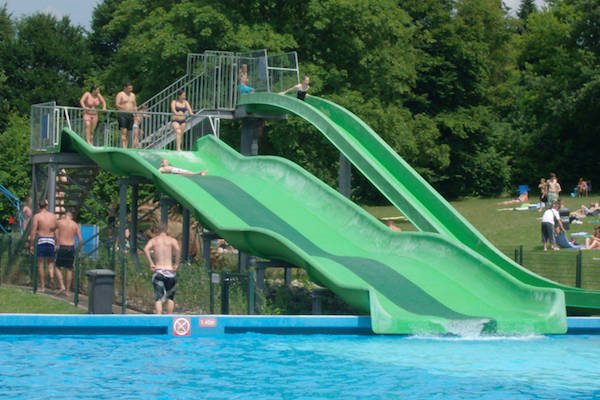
[578, 270]
[516, 255]
[251, 291]
[1, 251]
[521, 255]
[34, 272]
[225, 282]
[76, 279]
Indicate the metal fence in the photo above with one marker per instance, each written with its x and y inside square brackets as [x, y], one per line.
[211, 84]
[569, 267]
[49, 120]
[199, 290]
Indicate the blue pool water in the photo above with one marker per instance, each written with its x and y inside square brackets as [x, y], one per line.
[254, 366]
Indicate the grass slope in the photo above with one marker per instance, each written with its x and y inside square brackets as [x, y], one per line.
[16, 300]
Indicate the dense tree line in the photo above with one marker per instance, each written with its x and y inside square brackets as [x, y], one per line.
[475, 98]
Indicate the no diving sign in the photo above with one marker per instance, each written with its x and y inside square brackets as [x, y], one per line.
[181, 326]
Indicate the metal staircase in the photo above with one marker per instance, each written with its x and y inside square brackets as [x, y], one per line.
[72, 188]
[211, 84]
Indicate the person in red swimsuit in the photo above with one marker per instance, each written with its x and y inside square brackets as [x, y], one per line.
[89, 101]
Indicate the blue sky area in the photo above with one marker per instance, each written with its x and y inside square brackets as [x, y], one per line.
[80, 11]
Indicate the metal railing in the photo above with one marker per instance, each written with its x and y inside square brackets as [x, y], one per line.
[212, 83]
[49, 120]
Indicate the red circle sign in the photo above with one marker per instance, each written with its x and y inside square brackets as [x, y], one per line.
[181, 326]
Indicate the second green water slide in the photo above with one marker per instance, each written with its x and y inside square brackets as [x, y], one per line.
[403, 186]
[410, 282]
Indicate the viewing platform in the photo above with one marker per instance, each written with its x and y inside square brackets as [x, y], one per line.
[212, 84]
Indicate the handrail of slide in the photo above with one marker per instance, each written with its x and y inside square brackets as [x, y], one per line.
[403, 186]
[410, 282]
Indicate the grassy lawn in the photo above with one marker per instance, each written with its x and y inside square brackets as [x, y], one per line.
[507, 230]
[502, 228]
[15, 300]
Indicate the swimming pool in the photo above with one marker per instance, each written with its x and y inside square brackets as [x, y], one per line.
[258, 366]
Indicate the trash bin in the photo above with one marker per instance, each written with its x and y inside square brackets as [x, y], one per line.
[101, 290]
[564, 213]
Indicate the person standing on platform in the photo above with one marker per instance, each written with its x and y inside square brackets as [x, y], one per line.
[89, 102]
[44, 227]
[163, 279]
[179, 107]
[66, 231]
[126, 101]
[301, 88]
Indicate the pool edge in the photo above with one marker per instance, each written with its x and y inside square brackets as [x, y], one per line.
[208, 325]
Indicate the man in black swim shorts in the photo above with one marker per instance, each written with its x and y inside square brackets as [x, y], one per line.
[163, 279]
[125, 121]
[126, 102]
[65, 239]
[65, 256]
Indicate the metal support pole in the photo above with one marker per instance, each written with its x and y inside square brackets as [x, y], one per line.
[122, 225]
[345, 176]
[122, 215]
[251, 292]
[206, 241]
[578, 270]
[134, 218]
[51, 187]
[185, 236]
[516, 255]
[317, 305]
[242, 262]
[34, 191]
[225, 282]
[250, 131]
[34, 270]
[287, 276]
[260, 277]
[76, 279]
[164, 210]
[521, 255]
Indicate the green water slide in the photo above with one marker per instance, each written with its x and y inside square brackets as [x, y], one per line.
[410, 282]
[403, 186]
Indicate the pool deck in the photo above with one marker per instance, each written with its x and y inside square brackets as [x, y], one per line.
[209, 325]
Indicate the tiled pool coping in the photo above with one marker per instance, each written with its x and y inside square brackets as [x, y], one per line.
[206, 325]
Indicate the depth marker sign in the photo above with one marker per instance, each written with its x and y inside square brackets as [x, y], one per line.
[207, 322]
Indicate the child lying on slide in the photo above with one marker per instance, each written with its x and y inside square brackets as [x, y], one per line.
[165, 168]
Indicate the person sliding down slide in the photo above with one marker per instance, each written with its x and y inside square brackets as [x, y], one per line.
[165, 168]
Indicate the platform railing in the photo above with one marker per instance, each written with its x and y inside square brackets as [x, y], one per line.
[48, 120]
[211, 84]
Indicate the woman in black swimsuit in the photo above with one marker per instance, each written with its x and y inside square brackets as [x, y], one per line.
[179, 106]
[301, 88]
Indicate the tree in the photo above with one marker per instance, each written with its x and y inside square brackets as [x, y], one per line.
[525, 10]
[7, 30]
[559, 88]
[143, 37]
[6, 35]
[48, 59]
[15, 170]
